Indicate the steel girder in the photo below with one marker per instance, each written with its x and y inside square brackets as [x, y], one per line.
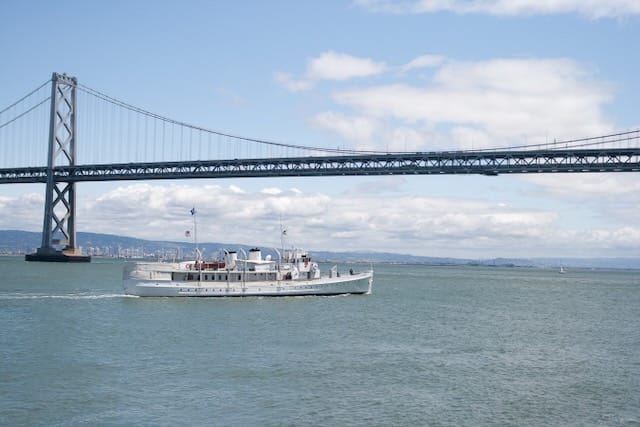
[436, 163]
[59, 206]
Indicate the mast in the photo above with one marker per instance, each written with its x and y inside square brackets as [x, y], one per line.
[195, 234]
[283, 232]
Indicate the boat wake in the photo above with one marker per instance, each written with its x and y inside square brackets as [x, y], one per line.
[81, 296]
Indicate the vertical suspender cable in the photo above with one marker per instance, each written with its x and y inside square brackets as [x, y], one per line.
[145, 156]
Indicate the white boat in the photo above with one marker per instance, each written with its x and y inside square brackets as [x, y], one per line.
[293, 274]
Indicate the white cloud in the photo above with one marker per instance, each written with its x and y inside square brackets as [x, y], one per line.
[469, 138]
[292, 84]
[355, 220]
[333, 66]
[352, 128]
[590, 8]
[225, 213]
[600, 186]
[405, 139]
[614, 197]
[508, 100]
[22, 212]
[340, 66]
[424, 61]
[272, 191]
[236, 189]
[372, 134]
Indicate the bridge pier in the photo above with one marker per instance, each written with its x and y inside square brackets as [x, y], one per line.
[54, 255]
[59, 230]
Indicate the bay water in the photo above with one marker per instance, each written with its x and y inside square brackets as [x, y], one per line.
[442, 346]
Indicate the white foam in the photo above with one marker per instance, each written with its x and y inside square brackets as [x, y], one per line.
[63, 296]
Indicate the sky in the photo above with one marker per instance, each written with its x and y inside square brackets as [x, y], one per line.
[362, 74]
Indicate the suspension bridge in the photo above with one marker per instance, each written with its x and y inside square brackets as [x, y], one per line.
[46, 138]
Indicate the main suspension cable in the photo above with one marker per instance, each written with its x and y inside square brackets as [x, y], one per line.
[26, 96]
[24, 113]
[564, 144]
[139, 110]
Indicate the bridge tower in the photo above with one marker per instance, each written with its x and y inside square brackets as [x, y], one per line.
[59, 227]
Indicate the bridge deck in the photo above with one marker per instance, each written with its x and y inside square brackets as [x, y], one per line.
[436, 163]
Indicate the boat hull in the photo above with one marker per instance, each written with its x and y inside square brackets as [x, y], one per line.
[149, 282]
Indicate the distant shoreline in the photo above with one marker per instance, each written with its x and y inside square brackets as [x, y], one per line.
[107, 246]
[570, 264]
[569, 270]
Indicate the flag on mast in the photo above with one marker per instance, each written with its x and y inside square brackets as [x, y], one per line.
[193, 211]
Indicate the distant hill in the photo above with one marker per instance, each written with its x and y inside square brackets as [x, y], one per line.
[21, 242]
[18, 241]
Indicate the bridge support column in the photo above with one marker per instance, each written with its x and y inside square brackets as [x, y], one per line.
[59, 226]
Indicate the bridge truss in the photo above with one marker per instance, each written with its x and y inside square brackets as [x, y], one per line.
[435, 163]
